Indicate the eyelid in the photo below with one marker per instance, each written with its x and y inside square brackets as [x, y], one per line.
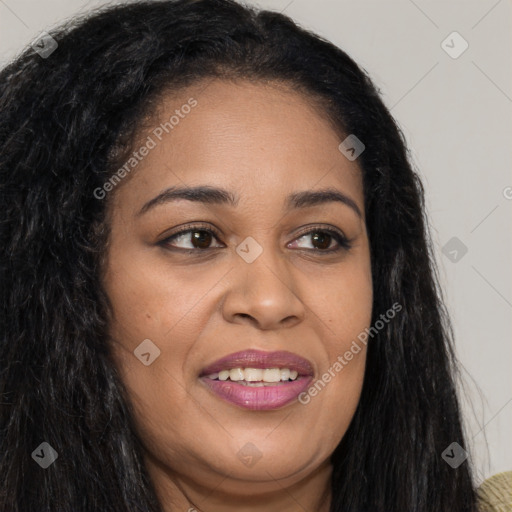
[192, 226]
[320, 227]
[344, 243]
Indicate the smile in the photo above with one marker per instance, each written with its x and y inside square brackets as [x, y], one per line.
[255, 376]
[267, 380]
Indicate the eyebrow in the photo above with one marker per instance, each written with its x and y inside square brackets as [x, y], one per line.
[208, 194]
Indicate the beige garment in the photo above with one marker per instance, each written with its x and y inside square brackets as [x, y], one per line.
[495, 493]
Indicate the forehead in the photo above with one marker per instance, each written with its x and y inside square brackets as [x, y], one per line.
[260, 140]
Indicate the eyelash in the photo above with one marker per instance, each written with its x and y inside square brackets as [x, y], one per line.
[343, 242]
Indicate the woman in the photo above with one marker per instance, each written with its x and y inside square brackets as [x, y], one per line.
[218, 283]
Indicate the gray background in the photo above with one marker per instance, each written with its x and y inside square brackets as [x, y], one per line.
[455, 114]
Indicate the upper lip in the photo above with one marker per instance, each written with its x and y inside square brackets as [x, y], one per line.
[260, 359]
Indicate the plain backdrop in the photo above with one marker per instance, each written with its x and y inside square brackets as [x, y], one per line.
[455, 111]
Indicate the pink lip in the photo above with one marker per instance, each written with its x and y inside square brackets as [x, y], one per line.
[265, 397]
[260, 359]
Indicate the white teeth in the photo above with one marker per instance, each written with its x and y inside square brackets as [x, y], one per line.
[272, 375]
[285, 373]
[256, 375]
[223, 375]
[253, 374]
[236, 374]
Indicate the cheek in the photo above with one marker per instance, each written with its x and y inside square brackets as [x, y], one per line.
[333, 397]
[345, 308]
[149, 300]
[344, 302]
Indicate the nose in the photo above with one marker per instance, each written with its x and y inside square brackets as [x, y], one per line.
[264, 293]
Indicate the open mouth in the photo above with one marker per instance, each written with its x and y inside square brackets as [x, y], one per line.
[258, 380]
[256, 377]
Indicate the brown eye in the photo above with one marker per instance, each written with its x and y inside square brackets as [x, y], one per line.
[196, 238]
[321, 240]
[201, 239]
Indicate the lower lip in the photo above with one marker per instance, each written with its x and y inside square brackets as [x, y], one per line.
[258, 398]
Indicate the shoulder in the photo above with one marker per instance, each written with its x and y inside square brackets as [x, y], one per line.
[495, 493]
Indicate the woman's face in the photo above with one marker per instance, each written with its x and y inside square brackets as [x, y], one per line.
[269, 278]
